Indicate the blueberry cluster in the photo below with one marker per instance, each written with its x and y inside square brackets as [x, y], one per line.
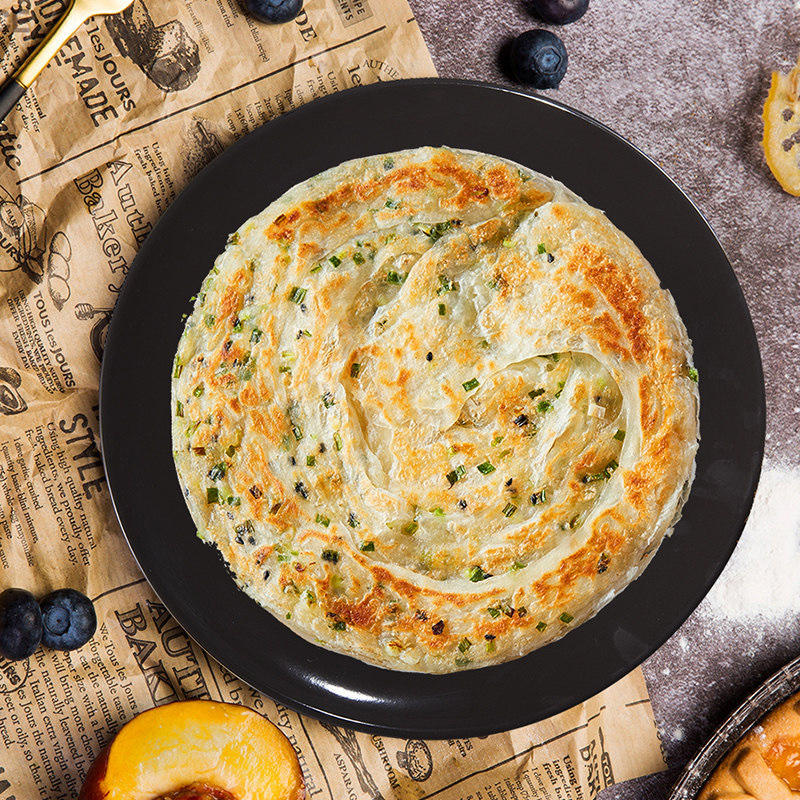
[538, 57]
[63, 620]
[274, 11]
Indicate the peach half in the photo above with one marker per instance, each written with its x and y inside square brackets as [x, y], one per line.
[196, 750]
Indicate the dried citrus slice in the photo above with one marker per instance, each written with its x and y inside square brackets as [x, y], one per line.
[782, 129]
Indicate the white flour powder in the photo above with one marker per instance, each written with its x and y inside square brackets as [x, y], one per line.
[762, 578]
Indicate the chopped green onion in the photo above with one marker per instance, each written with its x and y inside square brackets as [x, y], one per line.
[435, 232]
[494, 613]
[490, 645]
[543, 406]
[534, 393]
[367, 547]
[464, 645]
[352, 520]
[339, 625]
[297, 295]
[541, 626]
[476, 574]
[335, 260]
[496, 441]
[233, 238]
[230, 450]
[454, 475]
[212, 495]
[601, 476]
[358, 258]
[388, 162]
[390, 203]
[620, 435]
[508, 243]
[566, 618]
[560, 389]
[210, 319]
[509, 510]
[486, 468]
[446, 285]
[178, 369]
[442, 309]
[297, 431]
[255, 336]
[284, 368]
[354, 370]
[394, 277]
[311, 461]
[471, 384]
[537, 498]
[517, 565]
[484, 344]
[304, 332]
[593, 477]
[337, 441]
[330, 555]
[437, 512]
[179, 409]
[218, 471]
[541, 248]
[323, 520]
[410, 528]
[237, 326]
[248, 374]
[198, 390]
[463, 661]
[328, 400]
[694, 375]
[316, 268]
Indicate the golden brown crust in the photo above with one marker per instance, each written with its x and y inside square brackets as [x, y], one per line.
[765, 763]
[419, 370]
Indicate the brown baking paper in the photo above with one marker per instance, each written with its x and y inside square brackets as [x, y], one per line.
[133, 106]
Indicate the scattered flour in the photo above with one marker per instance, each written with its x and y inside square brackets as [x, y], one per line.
[762, 578]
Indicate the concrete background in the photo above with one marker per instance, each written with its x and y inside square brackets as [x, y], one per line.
[684, 80]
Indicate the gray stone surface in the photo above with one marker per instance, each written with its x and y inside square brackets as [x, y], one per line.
[684, 80]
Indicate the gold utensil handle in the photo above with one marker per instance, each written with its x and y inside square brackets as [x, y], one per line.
[73, 18]
[10, 94]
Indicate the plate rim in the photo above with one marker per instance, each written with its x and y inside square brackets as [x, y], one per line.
[479, 729]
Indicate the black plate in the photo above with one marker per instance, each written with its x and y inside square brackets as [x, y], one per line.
[190, 577]
[784, 683]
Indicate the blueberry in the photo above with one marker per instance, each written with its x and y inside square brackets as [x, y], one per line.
[559, 12]
[68, 619]
[274, 11]
[20, 624]
[539, 58]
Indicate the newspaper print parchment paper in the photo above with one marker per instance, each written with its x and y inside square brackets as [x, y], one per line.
[127, 113]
